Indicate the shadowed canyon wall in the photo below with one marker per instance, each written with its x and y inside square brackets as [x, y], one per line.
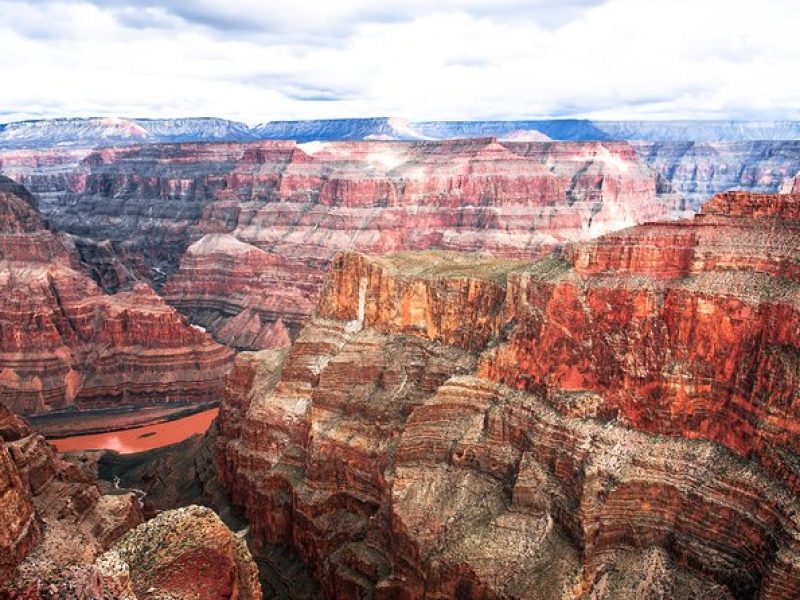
[65, 344]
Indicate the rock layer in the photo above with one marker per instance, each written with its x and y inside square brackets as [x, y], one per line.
[64, 344]
[60, 537]
[620, 422]
[293, 207]
[52, 515]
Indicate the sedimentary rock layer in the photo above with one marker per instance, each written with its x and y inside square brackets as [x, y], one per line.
[66, 344]
[61, 538]
[696, 170]
[620, 422]
[135, 210]
[52, 515]
[293, 207]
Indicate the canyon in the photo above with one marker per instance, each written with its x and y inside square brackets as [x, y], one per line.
[61, 536]
[65, 345]
[238, 236]
[617, 422]
[496, 367]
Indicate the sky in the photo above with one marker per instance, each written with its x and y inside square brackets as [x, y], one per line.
[262, 60]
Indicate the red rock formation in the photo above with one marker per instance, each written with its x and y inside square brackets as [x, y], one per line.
[514, 200]
[477, 427]
[51, 514]
[187, 553]
[64, 344]
[61, 538]
[300, 205]
[18, 528]
[703, 336]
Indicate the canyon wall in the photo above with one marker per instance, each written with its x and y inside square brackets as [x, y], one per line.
[697, 170]
[619, 422]
[64, 344]
[238, 235]
[62, 537]
[222, 223]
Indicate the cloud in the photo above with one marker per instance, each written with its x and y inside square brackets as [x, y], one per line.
[452, 59]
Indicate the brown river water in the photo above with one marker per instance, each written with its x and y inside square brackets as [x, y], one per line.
[139, 439]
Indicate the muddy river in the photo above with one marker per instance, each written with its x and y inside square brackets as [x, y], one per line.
[139, 439]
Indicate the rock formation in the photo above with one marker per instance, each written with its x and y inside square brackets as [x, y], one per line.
[293, 207]
[64, 344]
[52, 515]
[145, 212]
[61, 538]
[187, 553]
[698, 170]
[620, 422]
[260, 222]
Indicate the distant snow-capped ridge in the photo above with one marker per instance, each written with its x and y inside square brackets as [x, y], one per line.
[107, 131]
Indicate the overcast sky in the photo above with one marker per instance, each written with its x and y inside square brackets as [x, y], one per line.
[259, 60]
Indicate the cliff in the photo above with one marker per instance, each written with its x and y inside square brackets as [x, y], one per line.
[52, 515]
[696, 170]
[618, 423]
[172, 214]
[61, 537]
[64, 344]
[144, 212]
[389, 197]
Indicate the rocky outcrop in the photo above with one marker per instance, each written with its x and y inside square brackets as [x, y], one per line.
[619, 422]
[702, 340]
[53, 516]
[62, 538]
[64, 344]
[19, 530]
[187, 553]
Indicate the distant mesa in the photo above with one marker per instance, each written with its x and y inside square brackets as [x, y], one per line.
[105, 131]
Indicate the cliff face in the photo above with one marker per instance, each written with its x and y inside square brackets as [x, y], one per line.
[64, 343]
[52, 515]
[621, 422]
[244, 218]
[60, 537]
[136, 210]
[143, 212]
[698, 170]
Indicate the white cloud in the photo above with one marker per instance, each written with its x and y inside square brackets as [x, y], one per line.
[453, 59]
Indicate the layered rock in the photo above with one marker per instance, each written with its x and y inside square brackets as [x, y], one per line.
[696, 170]
[61, 538]
[688, 330]
[620, 422]
[511, 199]
[299, 205]
[19, 530]
[53, 515]
[64, 344]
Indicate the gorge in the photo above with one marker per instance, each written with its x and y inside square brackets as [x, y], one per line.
[472, 368]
